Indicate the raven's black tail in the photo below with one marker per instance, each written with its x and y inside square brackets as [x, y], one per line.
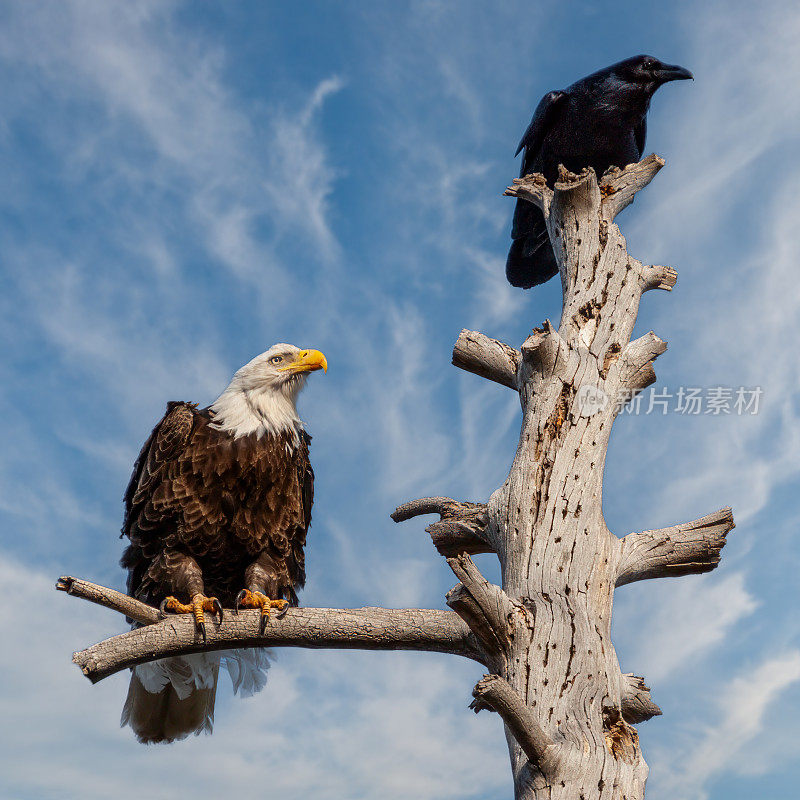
[530, 259]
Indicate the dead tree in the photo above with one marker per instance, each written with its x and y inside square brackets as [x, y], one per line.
[544, 637]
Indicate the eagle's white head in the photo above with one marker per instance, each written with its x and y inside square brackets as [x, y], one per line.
[262, 396]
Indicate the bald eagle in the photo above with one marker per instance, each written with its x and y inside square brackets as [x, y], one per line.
[217, 512]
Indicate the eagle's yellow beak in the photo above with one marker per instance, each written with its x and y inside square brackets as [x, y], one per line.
[307, 361]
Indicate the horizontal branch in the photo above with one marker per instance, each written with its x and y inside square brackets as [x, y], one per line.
[637, 705]
[489, 358]
[424, 505]
[619, 186]
[429, 630]
[496, 694]
[461, 527]
[687, 549]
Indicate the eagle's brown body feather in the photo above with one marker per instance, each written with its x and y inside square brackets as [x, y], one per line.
[200, 498]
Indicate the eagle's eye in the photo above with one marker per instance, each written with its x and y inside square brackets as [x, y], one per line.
[276, 359]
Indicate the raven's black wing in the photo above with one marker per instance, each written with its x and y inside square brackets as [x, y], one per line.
[531, 260]
[526, 215]
[541, 122]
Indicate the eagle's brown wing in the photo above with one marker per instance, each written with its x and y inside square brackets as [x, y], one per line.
[163, 447]
[164, 444]
[306, 482]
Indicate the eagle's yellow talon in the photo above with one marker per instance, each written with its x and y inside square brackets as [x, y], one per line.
[248, 599]
[200, 604]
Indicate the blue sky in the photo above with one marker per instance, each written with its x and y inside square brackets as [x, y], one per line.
[188, 183]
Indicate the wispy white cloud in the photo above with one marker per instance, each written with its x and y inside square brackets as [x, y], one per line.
[671, 626]
[300, 175]
[723, 212]
[143, 136]
[170, 120]
[729, 746]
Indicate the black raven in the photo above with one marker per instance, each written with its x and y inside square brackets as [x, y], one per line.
[600, 121]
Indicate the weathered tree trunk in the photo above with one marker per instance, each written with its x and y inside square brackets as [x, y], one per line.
[560, 563]
[545, 635]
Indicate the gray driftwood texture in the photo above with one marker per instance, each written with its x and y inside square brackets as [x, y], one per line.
[568, 710]
[544, 636]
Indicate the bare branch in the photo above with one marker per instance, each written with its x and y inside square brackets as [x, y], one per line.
[686, 549]
[424, 505]
[483, 606]
[546, 353]
[637, 705]
[496, 694]
[575, 192]
[461, 527]
[334, 628]
[451, 537]
[477, 353]
[619, 186]
[110, 598]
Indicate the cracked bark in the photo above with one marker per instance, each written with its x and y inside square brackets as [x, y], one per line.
[485, 608]
[556, 683]
[486, 357]
[496, 694]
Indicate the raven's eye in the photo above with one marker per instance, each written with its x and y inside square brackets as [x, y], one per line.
[276, 359]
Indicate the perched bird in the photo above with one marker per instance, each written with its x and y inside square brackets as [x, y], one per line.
[217, 512]
[600, 121]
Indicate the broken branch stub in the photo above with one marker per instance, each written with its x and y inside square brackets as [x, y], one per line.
[461, 527]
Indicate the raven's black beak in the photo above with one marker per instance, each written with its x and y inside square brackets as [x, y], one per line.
[672, 72]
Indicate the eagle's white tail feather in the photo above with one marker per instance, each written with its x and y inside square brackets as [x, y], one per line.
[163, 717]
[173, 697]
[247, 668]
[185, 674]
